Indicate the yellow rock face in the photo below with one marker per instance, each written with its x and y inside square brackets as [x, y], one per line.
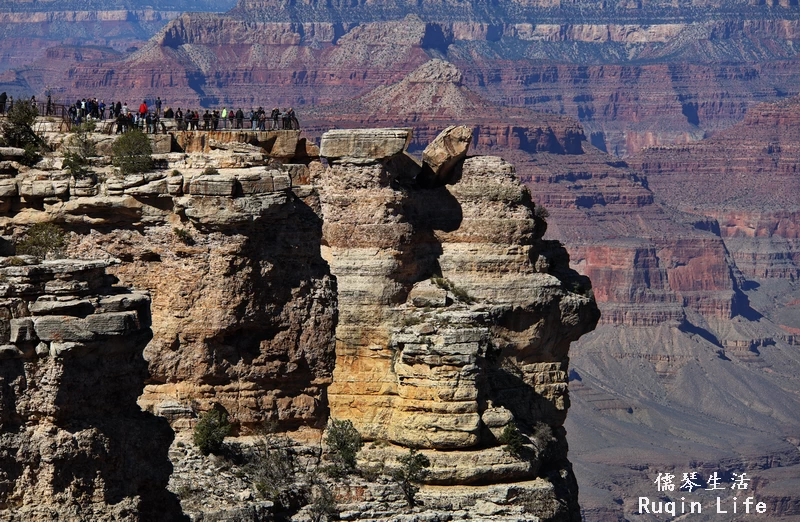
[448, 331]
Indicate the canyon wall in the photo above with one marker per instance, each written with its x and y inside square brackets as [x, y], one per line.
[691, 250]
[635, 75]
[73, 442]
[417, 300]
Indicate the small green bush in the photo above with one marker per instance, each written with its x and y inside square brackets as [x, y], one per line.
[512, 439]
[458, 292]
[43, 239]
[540, 212]
[211, 430]
[210, 171]
[132, 152]
[17, 127]
[344, 443]
[413, 468]
[183, 235]
[33, 153]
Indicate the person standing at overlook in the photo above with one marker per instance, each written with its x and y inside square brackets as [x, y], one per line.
[274, 116]
[3, 100]
[224, 117]
[239, 118]
[158, 106]
[292, 117]
[143, 109]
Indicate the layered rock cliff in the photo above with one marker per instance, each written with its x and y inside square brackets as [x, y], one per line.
[446, 363]
[418, 300]
[73, 443]
[244, 307]
[634, 73]
[689, 298]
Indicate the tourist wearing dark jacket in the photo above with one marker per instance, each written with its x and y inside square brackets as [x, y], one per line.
[239, 118]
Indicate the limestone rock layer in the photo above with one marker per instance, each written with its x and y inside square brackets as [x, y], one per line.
[427, 309]
[73, 442]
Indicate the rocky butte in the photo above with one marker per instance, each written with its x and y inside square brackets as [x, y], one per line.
[294, 284]
[73, 442]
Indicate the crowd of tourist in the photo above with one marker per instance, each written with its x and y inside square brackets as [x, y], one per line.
[7, 102]
[150, 118]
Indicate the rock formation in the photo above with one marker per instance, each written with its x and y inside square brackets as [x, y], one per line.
[745, 182]
[450, 316]
[202, 244]
[73, 442]
[701, 293]
[455, 317]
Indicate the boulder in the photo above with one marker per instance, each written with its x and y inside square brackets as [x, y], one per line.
[255, 183]
[426, 293]
[363, 145]
[446, 151]
[158, 187]
[11, 153]
[211, 185]
[8, 188]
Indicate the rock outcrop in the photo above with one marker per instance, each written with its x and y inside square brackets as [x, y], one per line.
[450, 316]
[73, 442]
[455, 317]
[234, 246]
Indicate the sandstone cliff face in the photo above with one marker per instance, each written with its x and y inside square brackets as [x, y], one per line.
[73, 442]
[455, 317]
[244, 307]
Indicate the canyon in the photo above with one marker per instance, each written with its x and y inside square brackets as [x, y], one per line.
[691, 250]
[660, 138]
[634, 75]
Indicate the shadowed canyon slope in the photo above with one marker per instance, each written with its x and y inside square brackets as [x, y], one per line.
[634, 73]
